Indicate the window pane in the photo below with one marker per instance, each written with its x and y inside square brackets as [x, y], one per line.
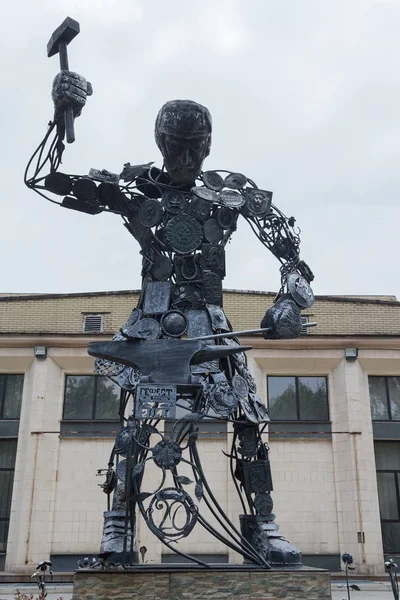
[391, 537]
[79, 396]
[387, 495]
[387, 456]
[13, 396]
[6, 485]
[313, 398]
[8, 450]
[282, 398]
[3, 535]
[377, 394]
[394, 397]
[107, 400]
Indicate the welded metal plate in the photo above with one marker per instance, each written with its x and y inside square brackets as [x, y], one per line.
[205, 193]
[155, 401]
[212, 231]
[162, 267]
[258, 203]
[184, 233]
[146, 329]
[213, 259]
[199, 323]
[231, 198]
[188, 268]
[218, 318]
[200, 209]
[240, 386]
[212, 288]
[157, 297]
[223, 399]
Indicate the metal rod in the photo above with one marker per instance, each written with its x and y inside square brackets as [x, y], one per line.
[230, 334]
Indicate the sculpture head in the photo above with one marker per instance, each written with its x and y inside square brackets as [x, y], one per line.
[183, 134]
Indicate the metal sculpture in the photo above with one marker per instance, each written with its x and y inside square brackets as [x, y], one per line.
[177, 349]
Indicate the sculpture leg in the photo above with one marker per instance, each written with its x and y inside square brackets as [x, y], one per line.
[253, 472]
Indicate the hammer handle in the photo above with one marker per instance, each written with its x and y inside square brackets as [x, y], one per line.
[68, 112]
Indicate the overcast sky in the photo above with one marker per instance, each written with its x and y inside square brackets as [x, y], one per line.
[305, 98]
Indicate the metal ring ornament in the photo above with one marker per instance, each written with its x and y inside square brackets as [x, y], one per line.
[172, 500]
[174, 323]
[300, 290]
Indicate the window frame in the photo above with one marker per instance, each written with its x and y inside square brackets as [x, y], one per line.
[3, 396]
[388, 404]
[8, 470]
[94, 403]
[297, 399]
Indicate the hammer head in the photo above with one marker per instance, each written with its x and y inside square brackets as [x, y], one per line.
[65, 33]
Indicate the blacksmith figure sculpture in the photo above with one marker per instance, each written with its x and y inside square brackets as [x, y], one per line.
[176, 357]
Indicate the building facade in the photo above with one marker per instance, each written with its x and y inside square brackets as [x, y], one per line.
[333, 396]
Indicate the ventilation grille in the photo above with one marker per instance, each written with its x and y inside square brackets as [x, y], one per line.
[93, 323]
[304, 330]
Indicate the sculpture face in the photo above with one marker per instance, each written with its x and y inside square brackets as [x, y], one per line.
[183, 134]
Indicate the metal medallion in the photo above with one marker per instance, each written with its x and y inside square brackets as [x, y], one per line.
[218, 318]
[205, 194]
[257, 476]
[167, 454]
[258, 203]
[162, 267]
[248, 377]
[300, 290]
[174, 202]
[146, 329]
[213, 258]
[174, 323]
[123, 439]
[150, 213]
[225, 217]
[212, 231]
[235, 181]
[184, 233]
[188, 296]
[200, 209]
[213, 180]
[240, 386]
[231, 198]
[263, 504]
[212, 288]
[223, 400]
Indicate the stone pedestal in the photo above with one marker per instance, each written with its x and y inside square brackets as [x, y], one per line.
[219, 582]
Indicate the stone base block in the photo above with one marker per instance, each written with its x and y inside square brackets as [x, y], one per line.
[180, 582]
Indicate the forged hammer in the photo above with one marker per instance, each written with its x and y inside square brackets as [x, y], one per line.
[58, 42]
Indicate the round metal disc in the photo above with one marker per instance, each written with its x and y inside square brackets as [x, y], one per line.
[240, 386]
[258, 203]
[213, 180]
[212, 231]
[174, 323]
[231, 198]
[146, 329]
[123, 440]
[174, 202]
[300, 290]
[150, 213]
[225, 217]
[205, 193]
[162, 267]
[184, 233]
[235, 181]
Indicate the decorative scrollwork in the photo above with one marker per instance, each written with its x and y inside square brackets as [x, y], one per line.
[179, 515]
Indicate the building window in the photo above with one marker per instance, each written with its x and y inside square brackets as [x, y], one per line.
[8, 450]
[90, 397]
[93, 323]
[10, 396]
[387, 459]
[384, 393]
[298, 398]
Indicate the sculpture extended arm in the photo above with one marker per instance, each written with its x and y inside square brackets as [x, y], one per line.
[279, 235]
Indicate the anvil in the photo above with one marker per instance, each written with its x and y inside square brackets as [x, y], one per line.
[163, 360]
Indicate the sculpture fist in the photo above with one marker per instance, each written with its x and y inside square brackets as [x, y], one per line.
[283, 319]
[70, 89]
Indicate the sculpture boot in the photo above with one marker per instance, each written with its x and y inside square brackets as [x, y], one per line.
[263, 534]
